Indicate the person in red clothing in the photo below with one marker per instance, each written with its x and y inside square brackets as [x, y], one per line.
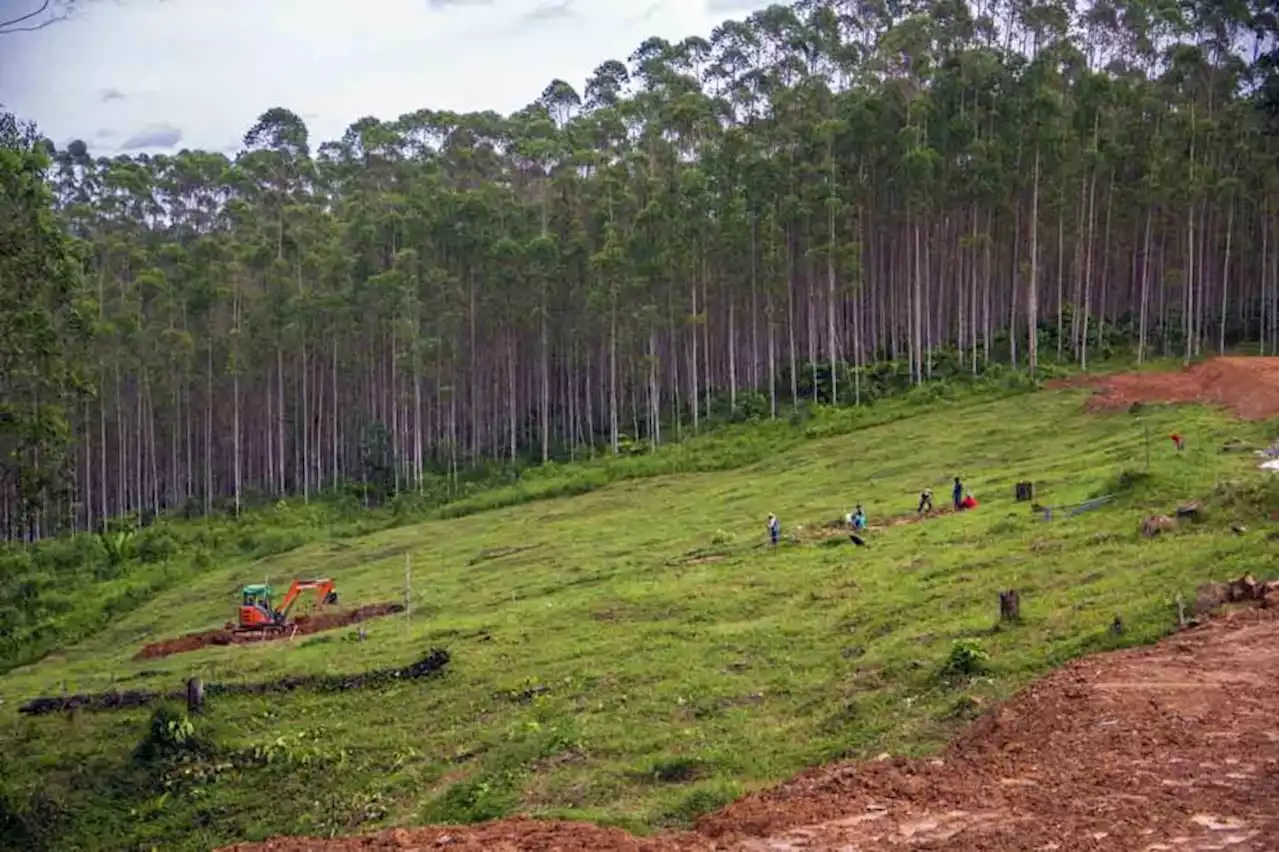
[1177, 441]
[968, 502]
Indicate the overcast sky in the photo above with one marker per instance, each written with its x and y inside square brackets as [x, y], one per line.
[161, 75]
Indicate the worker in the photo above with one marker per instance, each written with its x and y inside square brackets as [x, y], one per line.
[775, 529]
[926, 502]
[957, 494]
[968, 502]
[858, 520]
[1178, 441]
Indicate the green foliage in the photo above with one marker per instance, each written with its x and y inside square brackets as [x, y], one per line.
[691, 804]
[42, 337]
[155, 544]
[966, 659]
[477, 800]
[170, 734]
[118, 546]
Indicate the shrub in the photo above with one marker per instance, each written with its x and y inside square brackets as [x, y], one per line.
[966, 660]
[155, 545]
[269, 542]
[675, 770]
[118, 545]
[705, 797]
[170, 734]
[478, 800]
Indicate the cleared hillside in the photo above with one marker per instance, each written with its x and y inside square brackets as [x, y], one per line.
[636, 655]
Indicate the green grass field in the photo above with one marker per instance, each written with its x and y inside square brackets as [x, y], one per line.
[636, 655]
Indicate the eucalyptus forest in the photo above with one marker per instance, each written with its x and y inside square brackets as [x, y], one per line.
[731, 226]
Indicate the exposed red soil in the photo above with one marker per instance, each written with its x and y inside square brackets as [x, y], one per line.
[1245, 385]
[839, 529]
[1168, 747]
[305, 624]
[911, 518]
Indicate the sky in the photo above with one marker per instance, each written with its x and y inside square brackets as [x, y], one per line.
[163, 75]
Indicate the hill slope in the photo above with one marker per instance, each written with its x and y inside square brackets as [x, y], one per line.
[636, 655]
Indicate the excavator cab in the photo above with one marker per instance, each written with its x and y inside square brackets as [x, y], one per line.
[258, 612]
[255, 607]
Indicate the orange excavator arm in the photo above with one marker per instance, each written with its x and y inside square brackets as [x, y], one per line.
[325, 594]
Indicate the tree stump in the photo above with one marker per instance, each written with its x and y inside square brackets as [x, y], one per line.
[1009, 605]
[195, 695]
[1024, 491]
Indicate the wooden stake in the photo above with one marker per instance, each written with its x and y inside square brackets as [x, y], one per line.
[195, 695]
[408, 591]
[1009, 605]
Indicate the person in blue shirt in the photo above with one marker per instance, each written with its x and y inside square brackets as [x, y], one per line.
[858, 519]
[957, 495]
[775, 529]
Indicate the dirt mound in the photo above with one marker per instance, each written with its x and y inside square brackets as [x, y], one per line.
[520, 833]
[1155, 748]
[1172, 746]
[305, 624]
[1247, 386]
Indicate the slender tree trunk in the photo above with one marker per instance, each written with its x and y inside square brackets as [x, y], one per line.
[1083, 342]
[281, 486]
[1033, 281]
[1226, 266]
[1061, 246]
[1144, 298]
[832, 352]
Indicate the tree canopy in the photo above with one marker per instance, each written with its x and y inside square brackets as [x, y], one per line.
[728, 226]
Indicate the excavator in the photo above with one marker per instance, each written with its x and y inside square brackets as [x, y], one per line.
[258, 613]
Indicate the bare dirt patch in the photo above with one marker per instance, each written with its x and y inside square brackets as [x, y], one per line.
[1247, 386]
[1168, 747]
[305, 624]
[840, 529]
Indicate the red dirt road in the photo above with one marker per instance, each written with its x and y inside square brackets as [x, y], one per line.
[1245, 385]
[1172, 747]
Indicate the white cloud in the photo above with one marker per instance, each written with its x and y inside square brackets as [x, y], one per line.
[162, 136]
[207, 70]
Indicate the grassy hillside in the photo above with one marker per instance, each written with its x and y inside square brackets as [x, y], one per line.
[635, 654]
[62, 590]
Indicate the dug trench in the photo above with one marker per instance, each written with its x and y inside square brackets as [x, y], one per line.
[430, 665]
[1158, 748]
[301, 626]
